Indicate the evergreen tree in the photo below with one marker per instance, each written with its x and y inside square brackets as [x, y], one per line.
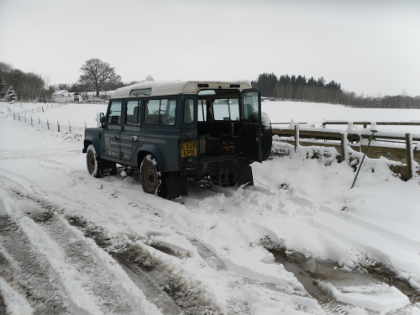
[11, 94]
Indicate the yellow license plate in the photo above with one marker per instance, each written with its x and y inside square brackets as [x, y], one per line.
[189, 148]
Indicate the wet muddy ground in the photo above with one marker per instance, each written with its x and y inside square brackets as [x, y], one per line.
[312, 274]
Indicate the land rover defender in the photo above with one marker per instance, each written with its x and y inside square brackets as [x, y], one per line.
[173, 132]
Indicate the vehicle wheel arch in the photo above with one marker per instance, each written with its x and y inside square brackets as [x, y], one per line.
[142, 152]
[86, 143]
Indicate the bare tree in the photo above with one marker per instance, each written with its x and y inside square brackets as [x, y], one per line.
[99, 75]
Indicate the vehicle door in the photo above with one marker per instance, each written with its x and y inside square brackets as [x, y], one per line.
[130, 133]
[112, 130]
[251, 129]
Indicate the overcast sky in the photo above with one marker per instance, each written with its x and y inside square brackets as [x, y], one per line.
[370, 46]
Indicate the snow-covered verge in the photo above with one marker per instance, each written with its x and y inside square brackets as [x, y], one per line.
[102, 246]
[75, 114]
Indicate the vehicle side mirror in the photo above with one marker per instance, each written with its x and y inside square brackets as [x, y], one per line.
[102, 119]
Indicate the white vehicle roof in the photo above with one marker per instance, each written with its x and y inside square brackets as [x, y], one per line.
[176, 87]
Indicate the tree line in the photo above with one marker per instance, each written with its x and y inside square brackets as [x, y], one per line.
[27, 85]
[298, 87]
[96, 75]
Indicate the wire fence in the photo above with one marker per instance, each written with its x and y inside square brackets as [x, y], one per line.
[63, 127]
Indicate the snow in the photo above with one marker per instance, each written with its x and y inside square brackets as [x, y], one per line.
[316, 113]
[15, 303]
[303, 204]
[380, 298]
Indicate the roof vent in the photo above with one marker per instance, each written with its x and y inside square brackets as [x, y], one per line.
[141, 92]
[202, 85]
[235, 86]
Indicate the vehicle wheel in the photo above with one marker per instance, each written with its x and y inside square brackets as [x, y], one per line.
[150, 177]
[93, 163]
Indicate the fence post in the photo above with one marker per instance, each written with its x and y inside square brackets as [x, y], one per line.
[409, 154]
[58, 126]
[39, 121]
[14, 116]
[31, 121]
[344, 147]
[69, 127]
[297, 136]
[48, 125]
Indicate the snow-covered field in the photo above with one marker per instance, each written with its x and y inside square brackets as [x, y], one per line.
[71, 243]
[316, 113]
[80, 115]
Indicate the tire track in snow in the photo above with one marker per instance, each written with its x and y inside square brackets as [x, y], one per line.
[180, 295]
[31, 273]
[108, 293]
[154, 291]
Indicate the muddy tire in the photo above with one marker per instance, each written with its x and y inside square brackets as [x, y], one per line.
[95, 166]
[150, 176]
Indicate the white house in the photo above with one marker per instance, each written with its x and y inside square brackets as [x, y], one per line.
[63, 96]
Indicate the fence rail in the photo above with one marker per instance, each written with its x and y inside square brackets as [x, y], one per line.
[404, 150]
[366, 123]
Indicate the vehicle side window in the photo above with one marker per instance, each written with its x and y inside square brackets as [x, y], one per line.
[250, 104]
[167, 114]
[152, 112]
[160, 112]
[114, 114]
[189, 111]
[133, 111]
[202, 110]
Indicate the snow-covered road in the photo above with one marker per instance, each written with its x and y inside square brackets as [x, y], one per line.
[70, 243]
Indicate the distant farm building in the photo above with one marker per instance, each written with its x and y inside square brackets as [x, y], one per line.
[63, 96]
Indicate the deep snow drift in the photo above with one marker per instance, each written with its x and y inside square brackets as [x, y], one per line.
[217, 245]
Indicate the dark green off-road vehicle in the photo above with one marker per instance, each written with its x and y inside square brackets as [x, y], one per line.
[178, 131]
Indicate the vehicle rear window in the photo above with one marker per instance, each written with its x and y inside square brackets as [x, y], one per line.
[226, 109]
[161, 112]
